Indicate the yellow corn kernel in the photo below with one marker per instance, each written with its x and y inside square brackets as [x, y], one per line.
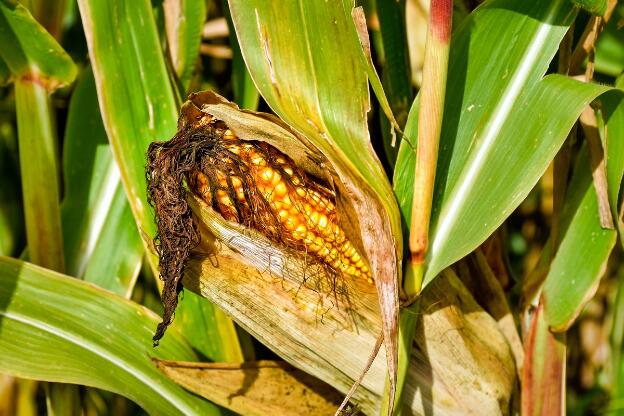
[237, 183]
[266, 174]
[333, 254]
[228, 135]
[322, 222]
[316, 245]
[280, 190]
[290, 224]
[300, 232]
[323, 252]
[309, 239]
[314, 218]
[350, 251]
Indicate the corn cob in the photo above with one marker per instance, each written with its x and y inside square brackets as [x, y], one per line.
[254, 184]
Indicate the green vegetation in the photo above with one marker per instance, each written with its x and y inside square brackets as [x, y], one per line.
[503, 294]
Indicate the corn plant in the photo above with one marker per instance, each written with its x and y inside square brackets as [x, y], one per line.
[299, 207]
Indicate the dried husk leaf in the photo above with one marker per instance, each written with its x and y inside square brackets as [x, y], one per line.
[327, 325]
[255, 388]
[460, 354]
[461, 362]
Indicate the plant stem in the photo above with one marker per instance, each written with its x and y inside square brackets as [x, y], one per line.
[429, 126]
[432, 93]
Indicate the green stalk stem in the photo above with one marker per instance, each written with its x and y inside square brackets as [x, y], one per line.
[429, 126]
[432, 93]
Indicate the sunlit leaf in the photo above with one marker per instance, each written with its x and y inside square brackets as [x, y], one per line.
[102, 244]
[29, 51]
[245, 93]
[77, 333]
[184, 20]
[573, 279]
[503, 123]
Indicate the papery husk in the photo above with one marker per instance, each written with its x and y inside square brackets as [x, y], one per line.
[461, 362]
[256, 388]
[328, 324]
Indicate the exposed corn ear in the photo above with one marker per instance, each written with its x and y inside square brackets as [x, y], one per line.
[249, 182]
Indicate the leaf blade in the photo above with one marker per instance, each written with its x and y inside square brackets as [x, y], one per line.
[43, 308]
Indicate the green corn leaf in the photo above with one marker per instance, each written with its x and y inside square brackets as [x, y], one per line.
[38, 65]
[102, 243]
[503, 123]
[573, 277]
[184, 20]
[396, 74]
[609, 57]
[245, 93]
[29, 51]
[136, 109]
[598, 7]
[78, 333]
[613, 115]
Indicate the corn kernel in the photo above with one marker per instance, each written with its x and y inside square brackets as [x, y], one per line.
[280, 190]
[290, 224]
[300, 232]
[317, 244]
[229, 135]
[309, 239]
[266, 174]
[323, 252]
[322, 222]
